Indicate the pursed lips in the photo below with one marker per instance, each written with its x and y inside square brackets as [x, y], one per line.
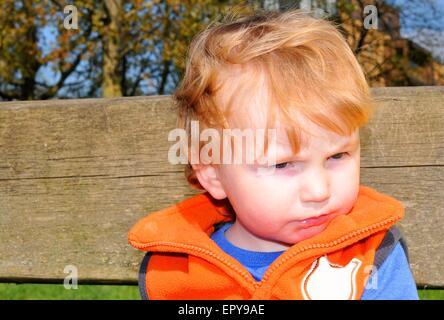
[316, 221]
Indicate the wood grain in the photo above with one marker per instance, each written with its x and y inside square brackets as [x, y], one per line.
[75, 175]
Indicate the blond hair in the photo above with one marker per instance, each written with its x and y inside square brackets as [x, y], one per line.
[311, 73]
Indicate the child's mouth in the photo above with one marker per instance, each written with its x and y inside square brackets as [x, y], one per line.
[317, 221]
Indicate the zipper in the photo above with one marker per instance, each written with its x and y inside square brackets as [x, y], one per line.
[203, 253]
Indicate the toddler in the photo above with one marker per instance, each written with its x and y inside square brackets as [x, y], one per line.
[294, 222]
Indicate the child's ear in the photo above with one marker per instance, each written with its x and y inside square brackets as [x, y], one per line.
[209, 179]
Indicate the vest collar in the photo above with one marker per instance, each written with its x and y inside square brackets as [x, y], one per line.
[189, 224]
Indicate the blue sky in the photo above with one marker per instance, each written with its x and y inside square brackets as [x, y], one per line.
[423, 22]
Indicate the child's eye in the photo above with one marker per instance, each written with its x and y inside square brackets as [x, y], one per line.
[339, 155]
[284, 165]
[281, 165]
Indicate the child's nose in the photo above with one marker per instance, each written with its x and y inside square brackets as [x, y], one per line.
[315, 188]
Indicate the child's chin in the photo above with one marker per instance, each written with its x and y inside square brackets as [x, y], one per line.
[307, 233]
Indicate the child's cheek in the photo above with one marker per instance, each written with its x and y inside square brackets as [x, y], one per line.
[345, 188]
[270, 196]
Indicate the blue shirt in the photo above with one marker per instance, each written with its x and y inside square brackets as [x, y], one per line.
[393, 281]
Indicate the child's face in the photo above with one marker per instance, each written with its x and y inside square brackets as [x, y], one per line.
[280, 208]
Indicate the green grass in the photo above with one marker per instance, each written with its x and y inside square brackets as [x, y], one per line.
[431, 294]
[106, 292]
[58, 292]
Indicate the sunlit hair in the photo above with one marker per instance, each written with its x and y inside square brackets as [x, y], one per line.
[310, 70]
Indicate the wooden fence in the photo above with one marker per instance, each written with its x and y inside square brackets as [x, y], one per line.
[75, 175]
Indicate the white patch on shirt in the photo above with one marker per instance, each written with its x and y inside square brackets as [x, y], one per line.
[327, 281]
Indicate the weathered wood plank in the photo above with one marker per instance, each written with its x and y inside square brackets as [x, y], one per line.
[420, 190]
[76, 174]
[407, 129]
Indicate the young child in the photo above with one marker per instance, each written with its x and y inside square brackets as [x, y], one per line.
[300, 226]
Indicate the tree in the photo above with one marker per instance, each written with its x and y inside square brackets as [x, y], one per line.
[126, 48]
[387, 57]
[120, 48]
[23, 56]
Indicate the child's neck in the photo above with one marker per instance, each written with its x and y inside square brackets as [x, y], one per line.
[238, 236]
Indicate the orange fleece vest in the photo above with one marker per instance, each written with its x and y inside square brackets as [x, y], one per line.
[335, 264]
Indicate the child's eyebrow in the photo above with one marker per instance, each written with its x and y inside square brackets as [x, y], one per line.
[348, 143]
[297, 157]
